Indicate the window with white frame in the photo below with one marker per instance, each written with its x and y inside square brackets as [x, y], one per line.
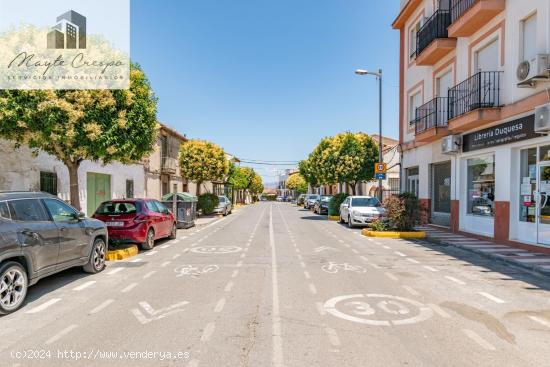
[486, 58]
[415, 101]
[529, 38]
[412, 39]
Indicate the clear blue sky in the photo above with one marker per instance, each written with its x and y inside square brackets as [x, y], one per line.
[268, 79]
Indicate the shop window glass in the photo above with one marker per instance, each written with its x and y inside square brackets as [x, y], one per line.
[481, 186]
[528, 185]
[442, 187]
[545, 153]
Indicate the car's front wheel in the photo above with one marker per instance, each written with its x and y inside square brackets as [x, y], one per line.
[350, 223]
[149, 240]
[13, 287]
[96, 263]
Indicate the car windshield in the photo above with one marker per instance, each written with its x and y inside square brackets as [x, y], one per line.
[222, 199]
[326, 198]
[312, 197]
[363, 202]
[114, 208]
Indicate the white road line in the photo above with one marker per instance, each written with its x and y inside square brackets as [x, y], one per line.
[297, 250]
[387, 247]
[101, 306]
[413, 261]
[243, 255]
[333, 337]
[299, 257]
[321, 308]
[234, 274]
[400, 254]
[306, 274]
[302, 264]
[391, 276]
[151, 253]
[341, 241]
[84, 286]
[370, 240]
[411, 290]
[176, 256]
[540, 321]
[165, 264]
[239, 264]
[114, 271]
[208, 331]
[312, 288]
[138, 260]
[61, 334]
[438, 310]
[44, 305]
[453, 279]
[278, 360]
[354, 251]
[148, 275]
[478, 339]
[219, 305]
[430, 268]
[375, 266]
[228, 287]
[164, 246]
[491, 297]
[347, 245]
[129, 288]
[364, 258]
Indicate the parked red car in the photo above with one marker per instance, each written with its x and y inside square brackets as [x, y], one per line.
[137, 221]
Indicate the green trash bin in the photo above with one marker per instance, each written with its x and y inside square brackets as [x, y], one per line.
[186, 208]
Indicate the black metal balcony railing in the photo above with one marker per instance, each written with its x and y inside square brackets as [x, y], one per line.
[482, 90]
[435, 113]
[435, 27]
[459, 7]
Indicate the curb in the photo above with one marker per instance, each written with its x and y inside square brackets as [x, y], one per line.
[501, 260]
[416, 235]
[123, 253]
[334, 218]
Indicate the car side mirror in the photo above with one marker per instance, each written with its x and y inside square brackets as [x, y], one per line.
[79, 216]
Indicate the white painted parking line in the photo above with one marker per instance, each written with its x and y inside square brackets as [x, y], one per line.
[411, 290]
[478, 339]
[149, 274]
[430, 268]
[165, 264]
[312, 288]
[164, 246]
[114, 271]
[228, 287]
[44, 305]
[400, 254]
[150, 253]
[61, 334]
[413, 261]
[208, 331]
[438, 310]
[101, 306]
[136, 260]
[453, 279]
[333, 337]
[176, 256]
[540, 321]
[219, 305]
[491, 297]
[391, 276]
[129, 288]
[306, 274]
[84, 286]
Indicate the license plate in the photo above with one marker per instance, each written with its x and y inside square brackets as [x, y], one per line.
[115, 224]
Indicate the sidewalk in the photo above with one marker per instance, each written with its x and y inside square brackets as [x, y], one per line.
[534, 261]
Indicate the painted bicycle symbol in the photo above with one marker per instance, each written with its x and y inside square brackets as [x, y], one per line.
[334, 268]
[216, 249]
[195, 271]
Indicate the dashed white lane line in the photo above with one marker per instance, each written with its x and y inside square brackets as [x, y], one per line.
[219, 305]
[149, 274]
[239, 264]
[438, 310]
[176, 256]
[306, 274]
[165, 264]
[491, 297]
[129, 287]
[376, 266]
[151, 253]
[400, 254]
[84, 285]
[540, 321]
[61, 334]
[44, 306]
[387, 247]
[138, 260]
[164, 246]
[228, 287]
[312, 288]
[391, 276]
[333, 337]
[413, 261]
[277, 339]
[302, 264]
[235, 273]
[114, 271]
[411, 290]
[300, 257]
[101, 306]
[453, 279]
[478, 339]
[208, 331]
[430, 268]
[364, 258]
[354, 251]
[243, 255]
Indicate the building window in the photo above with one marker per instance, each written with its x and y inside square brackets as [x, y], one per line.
[415, 101]
[545, 153]
[412, 180]
[529, 38]
[48, 182]
[486, 59]
[481, 186]
[528, 185]
[413, 39]
[441, 187]
[129, 188]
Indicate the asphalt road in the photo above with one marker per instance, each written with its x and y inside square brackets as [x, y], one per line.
[274, 285]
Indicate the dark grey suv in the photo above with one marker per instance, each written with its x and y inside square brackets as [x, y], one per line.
[41, 235]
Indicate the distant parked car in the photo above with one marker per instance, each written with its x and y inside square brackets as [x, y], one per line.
[279, 198]
[321, 205]
[41, 235]
[360, 210]
[139, 221]
[224, 207]
[310, 200]
[300, 200]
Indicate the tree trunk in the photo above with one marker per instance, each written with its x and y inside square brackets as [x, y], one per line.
[199, 183]
[353, 188]
[73, 184]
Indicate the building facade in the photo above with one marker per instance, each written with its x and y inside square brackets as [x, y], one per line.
[472, 75]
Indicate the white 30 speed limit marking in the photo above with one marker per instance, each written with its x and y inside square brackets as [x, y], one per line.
[378, 309]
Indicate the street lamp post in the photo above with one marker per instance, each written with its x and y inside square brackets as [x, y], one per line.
[378, 76]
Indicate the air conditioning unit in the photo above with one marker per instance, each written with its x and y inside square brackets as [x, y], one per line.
[451, 144]
[531, 71]
[542, 119]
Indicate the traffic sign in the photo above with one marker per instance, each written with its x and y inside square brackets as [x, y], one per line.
[380, 167]
[380, 176]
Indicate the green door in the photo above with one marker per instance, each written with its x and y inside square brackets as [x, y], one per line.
[98, 190]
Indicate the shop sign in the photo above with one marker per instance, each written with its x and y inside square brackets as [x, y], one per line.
[507, 133]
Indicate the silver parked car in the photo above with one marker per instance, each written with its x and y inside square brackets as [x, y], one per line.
[360, 210]
[224, 207]
[310, 200]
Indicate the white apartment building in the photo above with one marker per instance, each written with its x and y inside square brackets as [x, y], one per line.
[472, 75]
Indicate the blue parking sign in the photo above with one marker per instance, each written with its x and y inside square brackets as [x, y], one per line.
[380, 176]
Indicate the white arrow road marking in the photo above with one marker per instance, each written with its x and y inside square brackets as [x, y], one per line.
[158, 314]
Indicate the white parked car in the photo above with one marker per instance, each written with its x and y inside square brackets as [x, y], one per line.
[360, 210]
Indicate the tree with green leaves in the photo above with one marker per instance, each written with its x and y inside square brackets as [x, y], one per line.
[307, 173]
[297, 182]
[78, 125]
[202, 161]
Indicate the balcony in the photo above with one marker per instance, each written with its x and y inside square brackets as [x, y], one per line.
[169, 165]
[432, 40]
[476, 101]
[468, 16]
[431, 120]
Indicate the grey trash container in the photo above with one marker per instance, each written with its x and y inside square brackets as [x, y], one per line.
[186, 207]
